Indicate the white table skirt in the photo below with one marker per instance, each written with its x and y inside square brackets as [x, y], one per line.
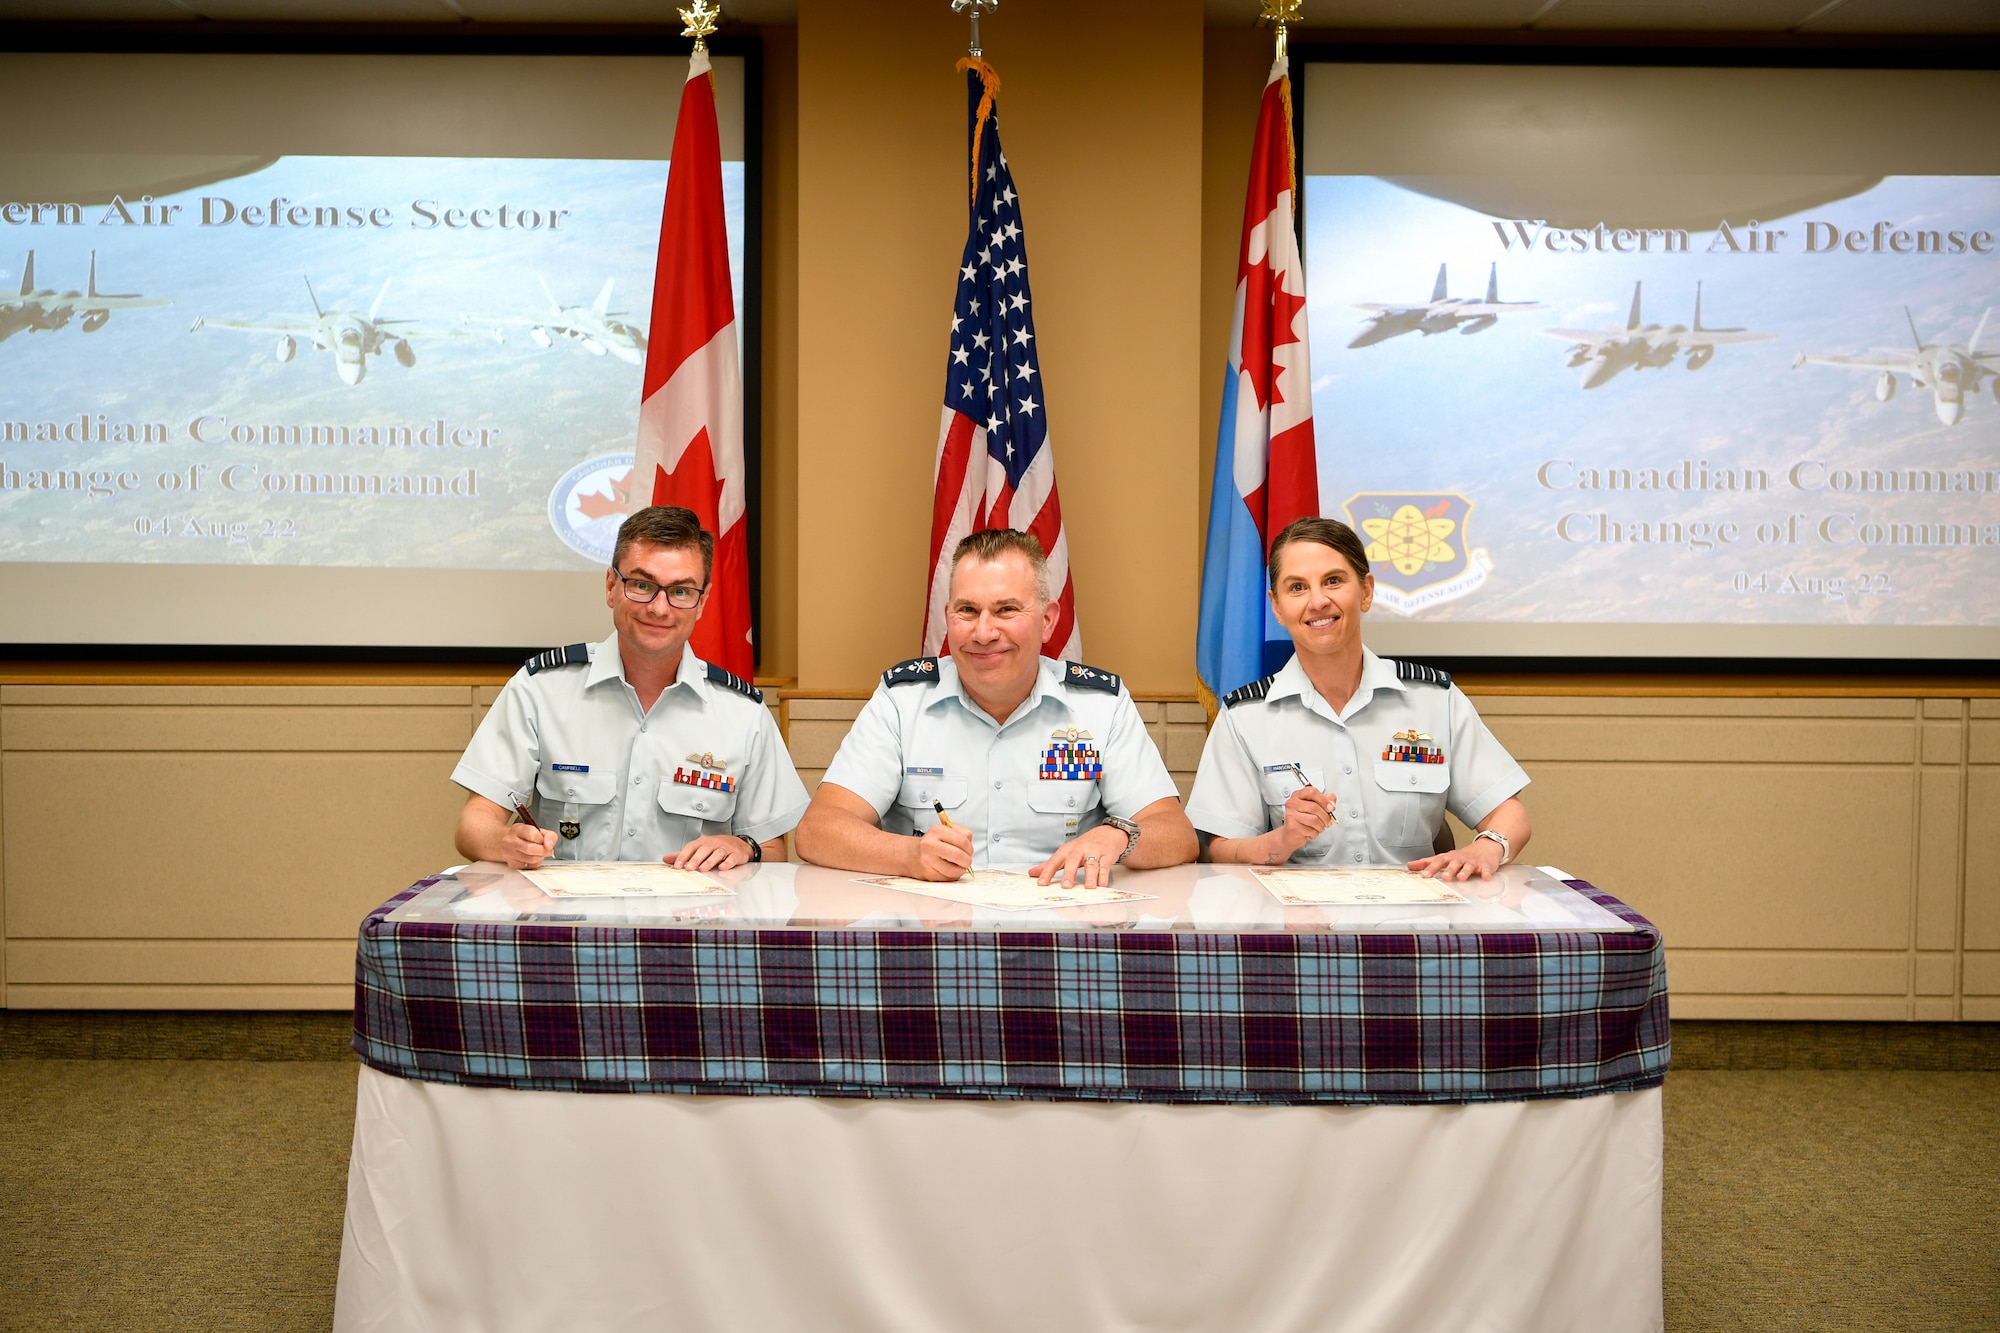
[499, 1211]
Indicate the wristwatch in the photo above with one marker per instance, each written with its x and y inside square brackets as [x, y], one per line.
[756, 848]
[1506, 848]
[1129, 829]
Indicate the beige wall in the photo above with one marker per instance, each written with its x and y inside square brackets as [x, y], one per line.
[778, 648]
[1101, 115]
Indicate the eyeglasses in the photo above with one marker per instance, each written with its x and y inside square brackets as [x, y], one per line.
[680, 596]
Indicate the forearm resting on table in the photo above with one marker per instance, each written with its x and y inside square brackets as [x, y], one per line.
[1165, 836]
[1510, 820]
[843, 831]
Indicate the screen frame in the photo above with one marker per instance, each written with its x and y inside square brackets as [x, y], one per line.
[446, 40]
[1649, 50]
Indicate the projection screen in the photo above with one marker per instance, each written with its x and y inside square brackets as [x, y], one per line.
[327, 350]
[1659, 361]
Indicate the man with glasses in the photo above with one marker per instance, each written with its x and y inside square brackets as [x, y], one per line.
[996, 755]
[632, 749]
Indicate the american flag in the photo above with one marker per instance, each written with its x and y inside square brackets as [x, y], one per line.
[994, 465]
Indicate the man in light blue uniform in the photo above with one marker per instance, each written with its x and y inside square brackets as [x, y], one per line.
[633, 749]
[1034, 762]
[1343, 757]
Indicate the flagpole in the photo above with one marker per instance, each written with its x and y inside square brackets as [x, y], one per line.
[972, 7]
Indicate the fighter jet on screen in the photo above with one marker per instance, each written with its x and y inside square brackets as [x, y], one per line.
[1442, 313]
[1640, 346]
[351, 337]
[45, 310]
[1951, 371]
[596, 328]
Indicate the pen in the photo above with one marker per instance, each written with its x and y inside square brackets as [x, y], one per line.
[943, 818]
[526, 818]
[1331, 818]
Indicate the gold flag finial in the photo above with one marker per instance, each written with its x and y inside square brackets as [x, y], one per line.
[1278, 14]
[701, 19]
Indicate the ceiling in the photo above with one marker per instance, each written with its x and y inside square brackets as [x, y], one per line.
[1803, 17]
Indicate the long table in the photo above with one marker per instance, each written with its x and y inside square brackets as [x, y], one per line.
[836, 1105]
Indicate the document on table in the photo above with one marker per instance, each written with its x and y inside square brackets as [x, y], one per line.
[1367, 886]
[621, 879]
[1005, 890]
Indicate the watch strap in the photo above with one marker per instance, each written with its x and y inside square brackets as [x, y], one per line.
[1129, 829]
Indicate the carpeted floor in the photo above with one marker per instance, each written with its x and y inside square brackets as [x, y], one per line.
[207, 1194]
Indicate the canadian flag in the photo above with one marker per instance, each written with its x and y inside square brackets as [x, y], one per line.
[691, 416]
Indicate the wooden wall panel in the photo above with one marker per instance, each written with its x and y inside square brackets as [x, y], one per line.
[1739, 856]
[190, 845]
[266, 845]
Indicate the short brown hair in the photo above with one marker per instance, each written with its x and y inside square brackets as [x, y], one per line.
[992, 543]
[1325, 532]
[670, 526]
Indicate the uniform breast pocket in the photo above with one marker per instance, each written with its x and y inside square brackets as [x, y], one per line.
[705, 805]
[922, 793]
[1064, 805]
[1412, 804]
[564, 788]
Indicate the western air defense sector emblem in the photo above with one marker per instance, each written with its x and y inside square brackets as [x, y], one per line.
[1418, 548]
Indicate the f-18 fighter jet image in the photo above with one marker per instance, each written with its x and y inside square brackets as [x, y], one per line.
[1442, 314]
[350, 336]
[1641, 346]
[1951, 371]
[596, 328]
[46, 310]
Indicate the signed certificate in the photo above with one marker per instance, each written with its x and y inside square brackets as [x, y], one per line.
[1368, 886]
[1005, 890]
[620, 879]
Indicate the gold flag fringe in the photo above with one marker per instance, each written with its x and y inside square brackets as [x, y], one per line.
[989, 79]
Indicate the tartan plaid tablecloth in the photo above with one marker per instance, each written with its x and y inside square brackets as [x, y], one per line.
[1268, 1017]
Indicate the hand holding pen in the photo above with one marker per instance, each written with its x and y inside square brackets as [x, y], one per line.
[1308, 813]
[944, 852]
[525, 845]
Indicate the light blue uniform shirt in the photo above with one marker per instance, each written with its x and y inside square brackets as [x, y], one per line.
[926, 741]
[1389, 810]
[573, 740]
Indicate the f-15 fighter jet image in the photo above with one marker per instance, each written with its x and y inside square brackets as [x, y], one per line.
[351, 337]
[1641, 346]
[1951, 371]
[1442, 314]
[596, 328]
[45, 310]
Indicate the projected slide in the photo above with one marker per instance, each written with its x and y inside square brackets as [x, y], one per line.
[1764, 421]
[427, 363]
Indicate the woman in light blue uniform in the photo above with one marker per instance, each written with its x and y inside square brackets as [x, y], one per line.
[1346, 758]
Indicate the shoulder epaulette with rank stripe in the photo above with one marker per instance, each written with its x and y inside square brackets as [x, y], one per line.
[572, 654]
[729, 680]
[1089, 677]
[1255, 690]
[1422, 674]
[912, 671]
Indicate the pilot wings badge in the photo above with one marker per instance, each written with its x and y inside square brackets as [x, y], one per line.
[1418, 548]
